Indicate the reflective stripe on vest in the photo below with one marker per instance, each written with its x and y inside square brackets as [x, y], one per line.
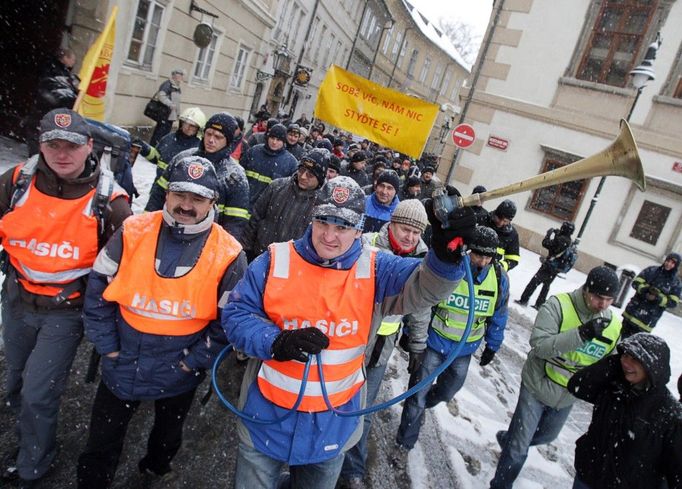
[390, 324]
[640, 324]
[562, 367]
[257, 176]
[50, 241]
[172, 306]
[451, 316]
[340, 303]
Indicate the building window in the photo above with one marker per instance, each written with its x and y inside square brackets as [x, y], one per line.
[145, 33]
[281, 22]
[320, 41]
[413, 61]
[241, 62]
[559, 201]
[650, 222]
[615, 41]
[677, 93]
[446, 83]
[402, 53]
[387, 40]
[396, 45]
[204, 63]
[425, 70]
[326, 61]
[437, 76]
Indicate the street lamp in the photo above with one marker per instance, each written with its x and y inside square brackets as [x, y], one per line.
[280, 65]
[641, 76]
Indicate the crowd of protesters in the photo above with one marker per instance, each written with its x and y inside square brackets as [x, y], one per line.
[241, 225]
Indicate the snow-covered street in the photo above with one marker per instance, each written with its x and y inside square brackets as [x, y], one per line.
[457, 446]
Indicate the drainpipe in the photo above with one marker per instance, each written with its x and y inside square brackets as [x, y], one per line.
[477, 73]
[376, 51]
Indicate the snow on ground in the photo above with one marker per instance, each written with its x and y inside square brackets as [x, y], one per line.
[486, 402]
[457, 446]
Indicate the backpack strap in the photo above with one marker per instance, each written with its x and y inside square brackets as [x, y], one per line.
[23, 181]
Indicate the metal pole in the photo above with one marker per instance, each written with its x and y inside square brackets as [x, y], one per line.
[602, 180]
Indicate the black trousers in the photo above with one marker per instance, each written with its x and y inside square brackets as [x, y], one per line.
[160, 130]
[108, 425]
[544, 276]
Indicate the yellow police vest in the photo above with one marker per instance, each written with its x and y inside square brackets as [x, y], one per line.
[390, 324]
[451, 317]
[561, 368]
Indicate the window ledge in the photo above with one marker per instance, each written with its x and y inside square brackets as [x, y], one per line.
[664, 99]
[599, 87]
[136, 70]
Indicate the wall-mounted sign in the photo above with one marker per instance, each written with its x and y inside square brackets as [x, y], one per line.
[463, 136]
[302, 76]
[677, 166]
[498, 143]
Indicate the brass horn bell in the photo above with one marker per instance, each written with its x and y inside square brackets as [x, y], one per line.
[619, 159]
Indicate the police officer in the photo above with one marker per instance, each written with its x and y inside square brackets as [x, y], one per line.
[491, 289]
[571, 331]
[323, 293]
[500, 220]
[151, 309]
[57, 210]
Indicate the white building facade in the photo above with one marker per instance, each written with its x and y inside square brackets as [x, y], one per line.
[551, 85]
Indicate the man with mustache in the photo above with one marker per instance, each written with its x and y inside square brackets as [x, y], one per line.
[152, 310]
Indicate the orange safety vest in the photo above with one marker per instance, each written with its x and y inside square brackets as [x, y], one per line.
[174, 306]
[50, 241]
[340, 303]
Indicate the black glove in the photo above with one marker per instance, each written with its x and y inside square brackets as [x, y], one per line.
[653, 294]
[293, 344]
[592, 328]
[448, 243]
[486, 356]
[644, 290]
[415, 361]
[404, 342]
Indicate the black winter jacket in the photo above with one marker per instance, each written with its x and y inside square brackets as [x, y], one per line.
[509, 240]
[635, 437]
[648, 312]
[282, 212]
[57, 87]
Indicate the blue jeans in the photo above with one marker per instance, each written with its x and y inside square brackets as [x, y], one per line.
[356, 457]
[533, 423]
[447, 384]
[256, 470]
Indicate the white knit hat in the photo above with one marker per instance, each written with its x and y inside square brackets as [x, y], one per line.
[412, 213]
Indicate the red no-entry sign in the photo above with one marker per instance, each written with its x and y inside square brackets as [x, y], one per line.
[463, 136]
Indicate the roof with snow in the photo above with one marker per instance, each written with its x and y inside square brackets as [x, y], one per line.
[436, 36]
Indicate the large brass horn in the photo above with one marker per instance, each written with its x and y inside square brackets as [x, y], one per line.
[619, 159]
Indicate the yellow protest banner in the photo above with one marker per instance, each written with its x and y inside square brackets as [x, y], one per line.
[94, 72]
[382, 115]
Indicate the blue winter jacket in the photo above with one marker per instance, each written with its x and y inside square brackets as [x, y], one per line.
[401, 285]
[494, 330]
[377, 214]
[147, 366]
[262, 165]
